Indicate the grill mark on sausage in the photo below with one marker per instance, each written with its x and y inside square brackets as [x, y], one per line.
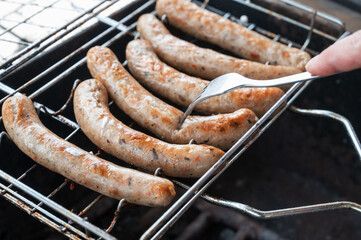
[132, 146]
[34, 139]
[192, 59]
[157, 116]
[182, 89]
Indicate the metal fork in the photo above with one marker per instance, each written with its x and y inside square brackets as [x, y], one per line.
[231, 81]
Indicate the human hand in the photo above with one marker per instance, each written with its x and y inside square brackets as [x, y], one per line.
[342, 56]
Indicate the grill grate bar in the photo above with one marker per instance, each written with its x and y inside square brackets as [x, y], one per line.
[97, 199]
[54, 192]
[66, 181]
[253, 212]
[116, 215]
[57, 38]
[30, 203]
[74, 125]
[55, 206]
[24, 174]
[39, 217]
[37, 43]
[79, 63]
[325, 113]
[294, 22]
[24, 43]
[296, 90]
[22, 4]
[31, 16]
[187, 199]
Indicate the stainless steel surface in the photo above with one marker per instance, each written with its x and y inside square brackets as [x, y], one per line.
[253, 212]
[231, 81]
[45, 208]
[158, 229]
[52, 205]
[325, 113]
[70, 26]
[338, 9]
[304, 8]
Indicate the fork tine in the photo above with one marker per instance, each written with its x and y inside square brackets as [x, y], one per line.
[231, 81]
[211, 90]
[190, 108]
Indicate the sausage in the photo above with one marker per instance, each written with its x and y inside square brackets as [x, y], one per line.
[157, 116]
[183, 89]
[211, 27]
[44, 147]
[202, 62]
[139, 149]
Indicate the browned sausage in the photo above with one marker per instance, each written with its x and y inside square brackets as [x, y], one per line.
[139, 149]
[39, 143]
[160, 118]
[182, 89]
[211, 27]
[202, 62]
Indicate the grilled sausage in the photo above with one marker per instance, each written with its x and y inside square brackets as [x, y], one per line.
[44, 147]
[160, 118]
[202, 62]
[139, 149]
[211, 27]
[182, 89]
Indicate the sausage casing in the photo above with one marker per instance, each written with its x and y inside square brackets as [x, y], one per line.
[183, 89]
[39, 143]
[202, 62]
[211, 27]
[139, 149]
[221, 130]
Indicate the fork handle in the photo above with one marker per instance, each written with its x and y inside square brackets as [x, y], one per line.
[300, 77]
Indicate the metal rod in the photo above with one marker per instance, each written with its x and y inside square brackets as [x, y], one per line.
[22, 176]
[82, 61]
[309, 35]
[186, 199]
[320, 14]
[53, 205]
[294, 22]
[40, 217]
[116, 215]
[44, 109]
[197, 193]
[2, 135]
[97, 199]
[75, 84]
[205, 3]
[36, 207]
[253, 212]
[43, 211]
[27, 18]
[61, 36]
[325, 113]
[114, 39]
[56, 190]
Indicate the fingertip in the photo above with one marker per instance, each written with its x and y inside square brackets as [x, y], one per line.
[311, 66]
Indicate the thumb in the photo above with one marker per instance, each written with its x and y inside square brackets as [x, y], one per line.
[342, 56]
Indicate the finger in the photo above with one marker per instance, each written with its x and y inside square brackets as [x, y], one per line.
[343, 56]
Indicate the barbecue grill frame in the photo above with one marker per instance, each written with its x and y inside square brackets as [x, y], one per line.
[194, 192]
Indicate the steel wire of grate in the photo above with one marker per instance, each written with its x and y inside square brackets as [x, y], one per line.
[19, 20]
[67, 228]
[27, 36]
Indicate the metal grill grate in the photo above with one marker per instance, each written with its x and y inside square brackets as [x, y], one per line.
[24, 22]
[73, 224]
[28, 28]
